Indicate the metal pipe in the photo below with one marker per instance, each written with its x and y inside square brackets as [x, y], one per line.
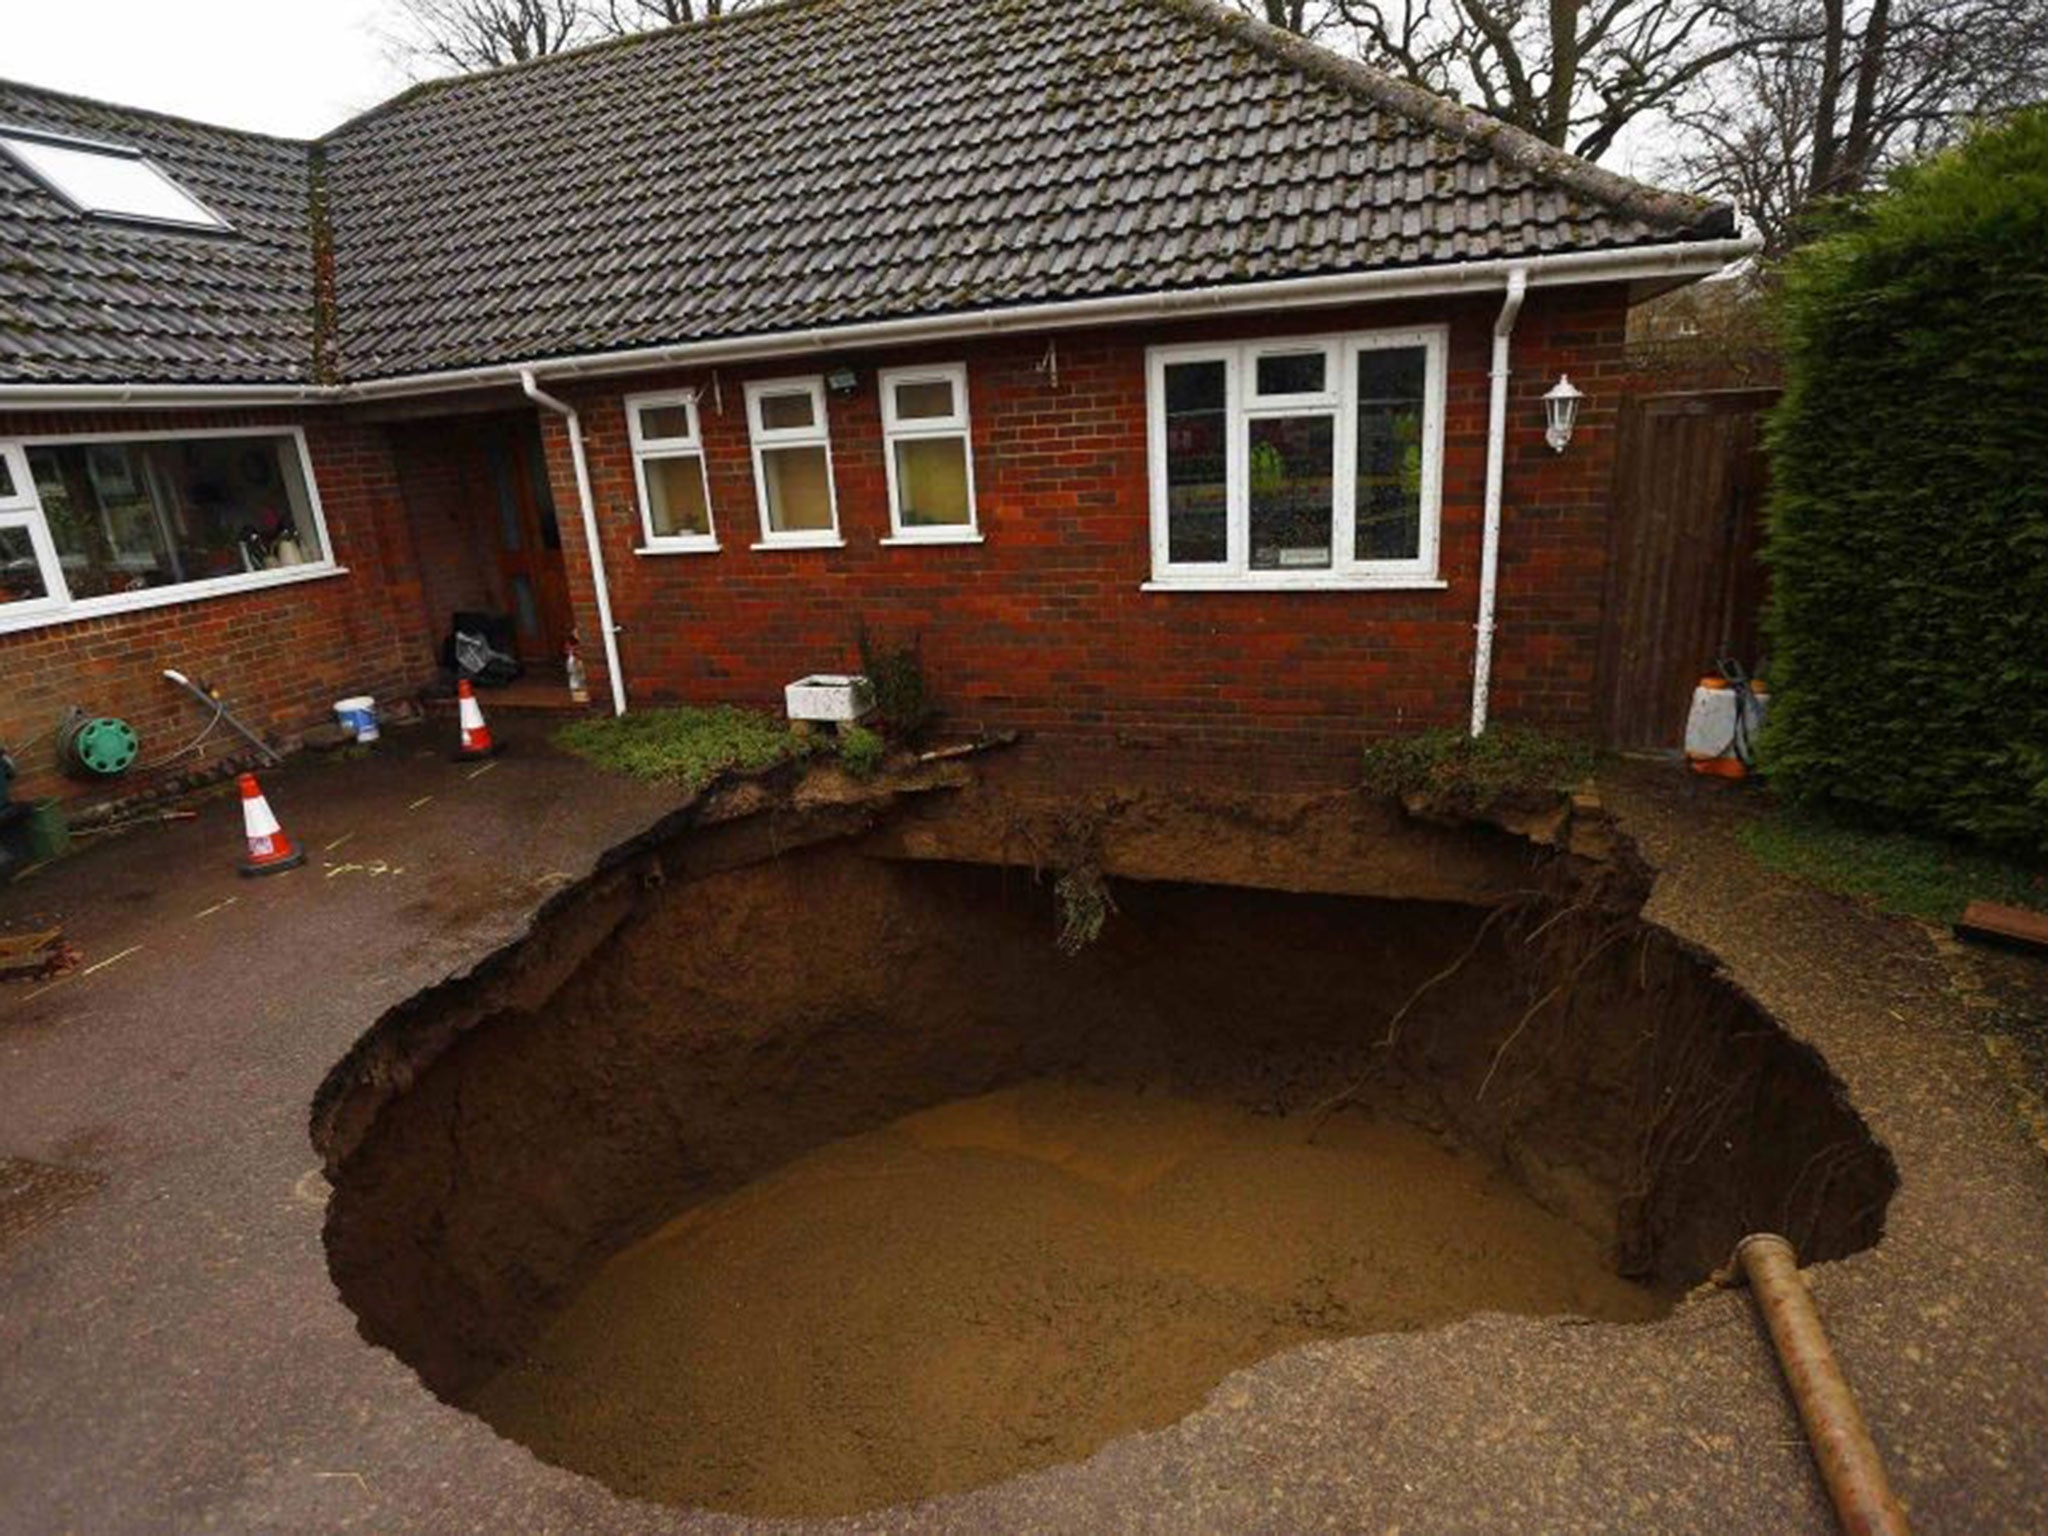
[1842, 1447]
[1496, 474]
[609, 630]
[212, 700]
[1691, 258]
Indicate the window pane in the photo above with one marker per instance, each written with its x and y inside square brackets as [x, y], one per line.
[786, 412]
[799, 489]
[1391, 388]
[1197, 464]
[8, 491]
[664, 421]
[675, 496]
[126, 517]
[110, 183]
[931, 482]
[924, 400]
[1291, 373]
[21, 578]
[1290, 475]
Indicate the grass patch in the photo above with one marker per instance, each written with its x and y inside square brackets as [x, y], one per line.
[690, 747]
[1906, 872]
[1457, 770]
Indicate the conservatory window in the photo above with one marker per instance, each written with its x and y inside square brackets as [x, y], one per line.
[101, 525]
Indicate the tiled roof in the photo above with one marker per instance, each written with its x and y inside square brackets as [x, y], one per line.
[824, 162]
[84, 299]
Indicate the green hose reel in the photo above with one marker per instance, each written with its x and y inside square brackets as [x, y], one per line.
[96, 746]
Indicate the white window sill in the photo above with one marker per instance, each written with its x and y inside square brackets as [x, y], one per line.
[963, 536]
[826, 541]
[679, 547]
[163, 597]
[1321, 581]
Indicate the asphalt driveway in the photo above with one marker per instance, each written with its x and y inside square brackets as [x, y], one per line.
[174, 1357]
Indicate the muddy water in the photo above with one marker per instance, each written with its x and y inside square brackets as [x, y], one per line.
[1012, 1281]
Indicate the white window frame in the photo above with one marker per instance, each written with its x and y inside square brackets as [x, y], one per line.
[647, 449]
[25, 509]
[897, 430]
[816, 435]
[1339, 398]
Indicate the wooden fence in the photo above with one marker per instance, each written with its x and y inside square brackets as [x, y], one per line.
[1684, 584]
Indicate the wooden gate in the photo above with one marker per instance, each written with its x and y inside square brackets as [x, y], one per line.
[1684, 584]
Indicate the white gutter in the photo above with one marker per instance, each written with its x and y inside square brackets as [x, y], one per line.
[1643, 263]
[574, 424]
[1496, 472]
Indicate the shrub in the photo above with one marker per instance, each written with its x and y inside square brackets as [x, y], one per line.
[1908, 538]
[690, 747]
[897, 671]
[1458, 771]
[861, 750]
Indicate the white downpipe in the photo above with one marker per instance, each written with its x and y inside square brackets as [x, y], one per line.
[1496, 471]
[574, 423]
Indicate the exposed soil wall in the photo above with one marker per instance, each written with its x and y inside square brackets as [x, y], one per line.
[709, 1009]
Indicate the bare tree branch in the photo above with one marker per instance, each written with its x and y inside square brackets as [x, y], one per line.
[482, 34]
[1851, 88]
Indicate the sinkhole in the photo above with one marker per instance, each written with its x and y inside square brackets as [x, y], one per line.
[807, 1175]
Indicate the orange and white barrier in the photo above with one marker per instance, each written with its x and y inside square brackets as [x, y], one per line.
[476, 735]
[270, 850]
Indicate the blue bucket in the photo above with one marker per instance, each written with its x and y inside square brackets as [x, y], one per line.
[358, 716]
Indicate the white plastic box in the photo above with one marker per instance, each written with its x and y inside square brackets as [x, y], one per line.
[830, 696]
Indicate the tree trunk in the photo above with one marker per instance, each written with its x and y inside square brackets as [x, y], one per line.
[1556, 125]
[1828, 104]
[1860, 148]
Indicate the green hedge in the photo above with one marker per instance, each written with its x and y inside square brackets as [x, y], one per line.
[1909, 513]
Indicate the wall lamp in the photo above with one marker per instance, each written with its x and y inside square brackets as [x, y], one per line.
[1561, 411]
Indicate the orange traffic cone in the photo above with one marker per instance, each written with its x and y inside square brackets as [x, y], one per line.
[476, 736]
[269, 849]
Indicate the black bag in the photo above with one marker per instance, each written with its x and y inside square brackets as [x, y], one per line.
[479, 647]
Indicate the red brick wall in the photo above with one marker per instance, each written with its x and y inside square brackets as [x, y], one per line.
[280, 656]
[1044, 626]
[448, 499]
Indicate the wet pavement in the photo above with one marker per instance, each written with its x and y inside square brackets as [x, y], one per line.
[174, 1357]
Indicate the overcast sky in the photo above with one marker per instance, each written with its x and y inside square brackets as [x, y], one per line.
[293, 67]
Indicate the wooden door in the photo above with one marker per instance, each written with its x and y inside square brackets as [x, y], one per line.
[528, 538]
[1685, 586]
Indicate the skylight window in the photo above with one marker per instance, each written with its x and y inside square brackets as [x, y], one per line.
[107, 180]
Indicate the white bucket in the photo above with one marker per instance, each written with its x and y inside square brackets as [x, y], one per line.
[358, 715]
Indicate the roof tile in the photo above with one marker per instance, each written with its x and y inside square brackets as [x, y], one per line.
[813, 162]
